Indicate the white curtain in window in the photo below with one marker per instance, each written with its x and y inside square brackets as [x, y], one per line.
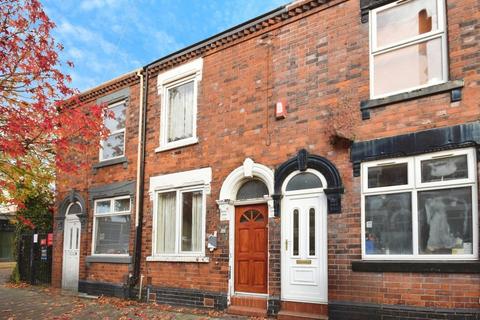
[197, 221]
[166, 223]
[180, 104]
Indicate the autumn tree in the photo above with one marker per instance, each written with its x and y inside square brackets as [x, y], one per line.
[41, 116]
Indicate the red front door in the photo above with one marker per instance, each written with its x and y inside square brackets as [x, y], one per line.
[251, 240]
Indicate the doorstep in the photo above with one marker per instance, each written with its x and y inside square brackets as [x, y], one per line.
[251, 306]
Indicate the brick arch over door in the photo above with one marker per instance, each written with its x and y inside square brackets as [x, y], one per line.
[303, 161]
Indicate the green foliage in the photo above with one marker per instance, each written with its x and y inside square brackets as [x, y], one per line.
[37, 213]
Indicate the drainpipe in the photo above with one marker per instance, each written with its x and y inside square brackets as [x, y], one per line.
[143, 75]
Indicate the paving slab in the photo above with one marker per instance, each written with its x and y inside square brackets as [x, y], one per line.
[34, 303]
[6, 269]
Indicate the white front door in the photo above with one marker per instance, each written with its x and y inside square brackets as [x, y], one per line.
[304, 248]
[71, 252]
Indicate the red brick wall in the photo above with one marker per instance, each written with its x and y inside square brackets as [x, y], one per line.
[312, 61]
[87, 178]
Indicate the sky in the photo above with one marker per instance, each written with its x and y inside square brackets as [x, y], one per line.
[107, 38]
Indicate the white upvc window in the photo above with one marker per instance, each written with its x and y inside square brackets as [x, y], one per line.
[114, 145]
[179, 90]
[408, 46]
[111, 226]
[179, 223]
[421, 208]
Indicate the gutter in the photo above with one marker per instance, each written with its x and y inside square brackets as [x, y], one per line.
[140, 185]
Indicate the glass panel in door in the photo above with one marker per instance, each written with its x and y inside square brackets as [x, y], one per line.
[296, 244]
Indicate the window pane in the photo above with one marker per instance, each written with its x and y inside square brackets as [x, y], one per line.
[192, 221]
[244, 218]
[388, 175]
[312, 231]
[166, 222]
[118, 122]
[122, 205]
[113, 234]
[412, 66]
[304, 180]
[77, 236]
[75, 209]
[113, 146]
[259, 217]
[405, 21]
[295, 232]
[103, 207]
[445, 221]
[388, 224]
[71, 235]
[180, 112]
[444, 169]
[252, 189]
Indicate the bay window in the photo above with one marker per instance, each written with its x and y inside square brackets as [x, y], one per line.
[111, 226]
[408, 48]
[422, 207]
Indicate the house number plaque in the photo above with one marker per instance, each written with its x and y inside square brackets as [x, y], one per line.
[304, 261]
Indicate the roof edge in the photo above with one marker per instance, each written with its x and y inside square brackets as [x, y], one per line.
[241, 30]
[111, 81]
[221, 35]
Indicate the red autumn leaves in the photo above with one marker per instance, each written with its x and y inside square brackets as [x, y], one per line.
[44, 126]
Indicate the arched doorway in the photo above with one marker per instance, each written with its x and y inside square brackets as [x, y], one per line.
[251, 238]
[245, 195]
[304, 267]
[71, 246]
[307, 188]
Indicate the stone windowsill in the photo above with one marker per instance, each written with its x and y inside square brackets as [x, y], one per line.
[107, 163]
[177, 144]
[108, 259]
[454, 87]
[200, 259]
[417, 266]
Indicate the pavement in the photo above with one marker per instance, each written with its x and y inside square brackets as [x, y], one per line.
[28, 302]
[6, 269]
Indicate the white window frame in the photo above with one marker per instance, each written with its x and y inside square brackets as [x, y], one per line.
[374, 50]
[414, 186]
[113, 105]
[181, 75]
[387, 162]
[178, 255]
[109, 214]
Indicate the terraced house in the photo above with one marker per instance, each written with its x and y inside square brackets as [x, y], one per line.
[317, 161]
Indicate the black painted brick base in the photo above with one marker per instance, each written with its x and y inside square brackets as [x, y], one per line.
[95, 288]
[357, 311]
[273, 306]
[189, 297]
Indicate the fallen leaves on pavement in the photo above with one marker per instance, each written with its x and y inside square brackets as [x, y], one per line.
[16, 285]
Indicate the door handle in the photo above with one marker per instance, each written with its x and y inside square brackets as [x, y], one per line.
[286, 245]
